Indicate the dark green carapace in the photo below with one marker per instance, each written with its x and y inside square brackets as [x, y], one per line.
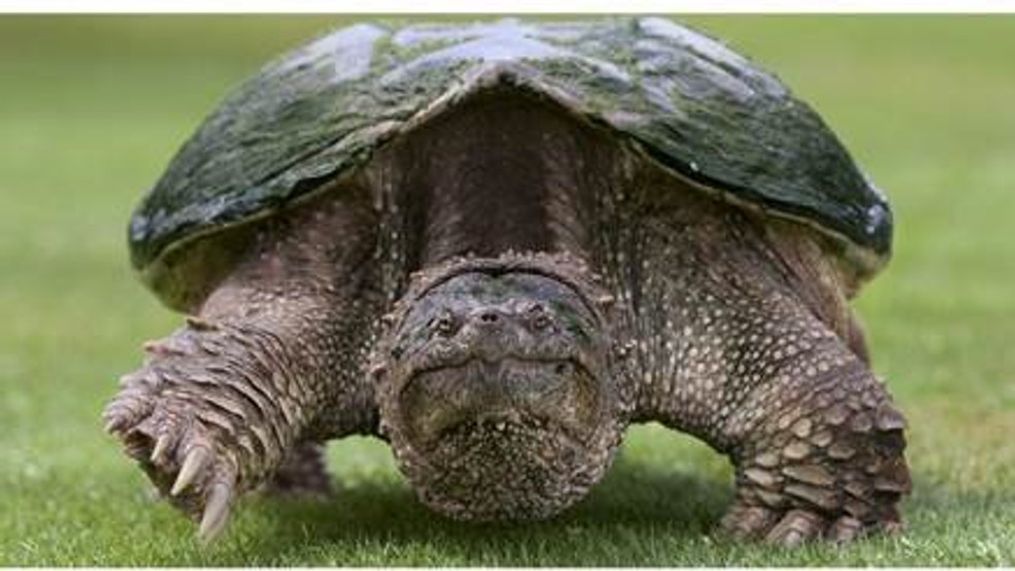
[686, 100]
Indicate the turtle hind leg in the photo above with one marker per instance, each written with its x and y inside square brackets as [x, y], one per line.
[302, 475]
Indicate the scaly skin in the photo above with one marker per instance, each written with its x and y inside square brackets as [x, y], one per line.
[271, 361]
[497, 389]
[733, 327]
[732, 347]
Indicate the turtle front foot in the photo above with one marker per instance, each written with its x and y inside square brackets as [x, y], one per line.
[793, 527]
[186, 457]
[197, 426]
[830, 469]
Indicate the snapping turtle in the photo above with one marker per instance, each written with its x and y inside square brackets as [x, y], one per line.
[496, 246]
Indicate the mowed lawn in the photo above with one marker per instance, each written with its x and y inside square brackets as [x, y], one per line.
[91, 109]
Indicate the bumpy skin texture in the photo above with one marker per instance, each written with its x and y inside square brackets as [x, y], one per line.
[733, 346]
[661, 302]
[497, 386]
[226, 402]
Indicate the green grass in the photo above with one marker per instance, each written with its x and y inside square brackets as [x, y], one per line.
[92, 108]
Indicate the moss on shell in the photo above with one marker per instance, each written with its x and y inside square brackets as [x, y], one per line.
[689, 102]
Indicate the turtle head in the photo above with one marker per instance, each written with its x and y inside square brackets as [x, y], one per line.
[496, 386]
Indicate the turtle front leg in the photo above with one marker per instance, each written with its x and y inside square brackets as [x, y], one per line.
[219, 405]
[228, 403]
[205, 416]
[815, 439]
[818, 448]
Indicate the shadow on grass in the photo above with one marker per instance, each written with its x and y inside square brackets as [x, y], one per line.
[642, 514]
[636, 501]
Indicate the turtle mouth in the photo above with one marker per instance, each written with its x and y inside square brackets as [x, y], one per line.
[476, 395]
[467, 437]
[515, 439]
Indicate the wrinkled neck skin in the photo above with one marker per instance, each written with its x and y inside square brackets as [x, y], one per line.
[497, 386]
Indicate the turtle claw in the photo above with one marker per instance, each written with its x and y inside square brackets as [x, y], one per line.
[129, 408]
[196, 460]
[796, 528]
[161, 447]
[845, 530]
[747, 522]
[216, 511]
[189, 462]
[115, 425]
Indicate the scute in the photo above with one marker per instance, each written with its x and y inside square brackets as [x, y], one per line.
[686, 100]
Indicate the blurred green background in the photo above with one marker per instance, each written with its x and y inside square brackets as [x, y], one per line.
[92, 108]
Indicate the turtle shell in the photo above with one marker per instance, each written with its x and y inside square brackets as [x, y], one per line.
[686, 101]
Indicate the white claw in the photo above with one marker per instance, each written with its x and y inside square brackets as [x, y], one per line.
[114, 425]
[201, 324]
[216, 512]
[195, 461]
[161, 445]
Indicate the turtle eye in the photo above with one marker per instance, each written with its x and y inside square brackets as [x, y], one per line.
[445, 324]
[539, 318]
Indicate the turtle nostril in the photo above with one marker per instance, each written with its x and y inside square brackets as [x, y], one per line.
[488, 317]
